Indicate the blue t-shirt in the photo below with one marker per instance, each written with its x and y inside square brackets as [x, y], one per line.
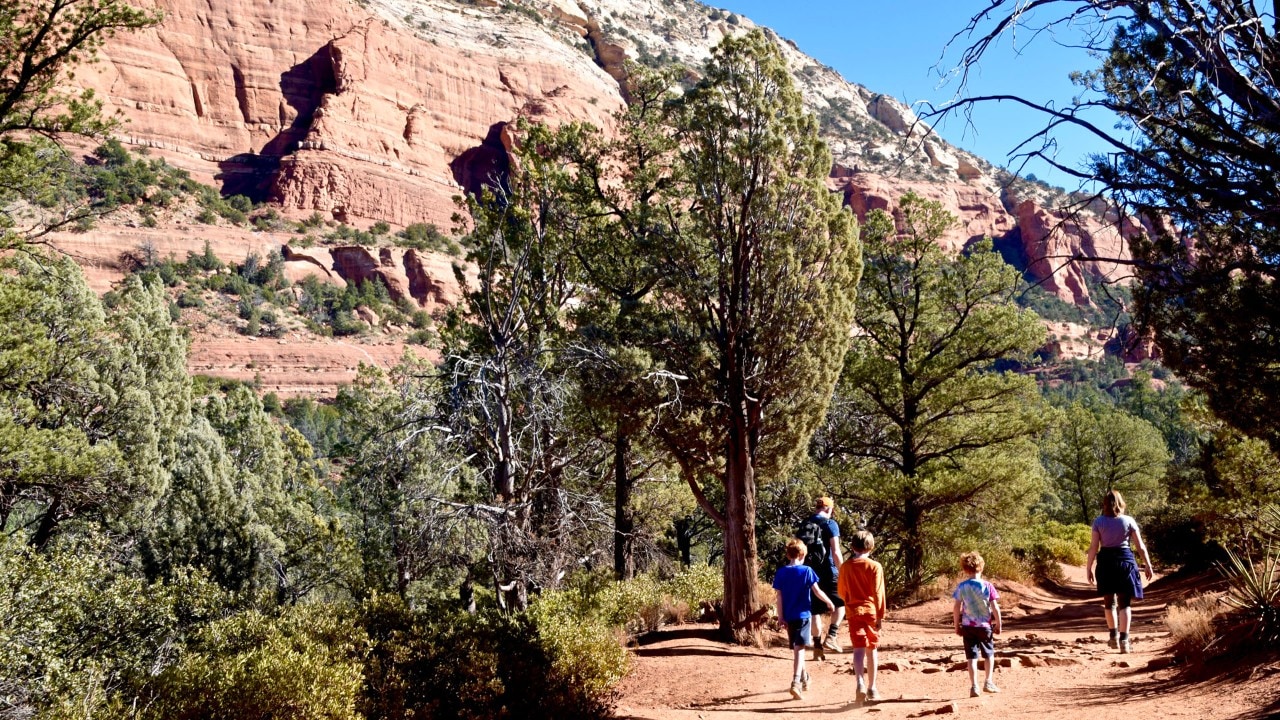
[794, 582]
[1114, 531]
[975, 598]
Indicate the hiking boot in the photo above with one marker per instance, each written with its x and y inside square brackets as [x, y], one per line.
[832, 642]
[860, 695]
[818, 652]
[973, 692]
[1114, 643]
[873, 695]
[990, 687]
[804, 681]
[796, 692]
[1125, 647]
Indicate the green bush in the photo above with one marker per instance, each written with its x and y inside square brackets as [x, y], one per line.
[694, 586]
[206, 261]
[190, 298]
[645, 603]
[1052, 542]
[306, 664]
[79, 635]
[437, 662]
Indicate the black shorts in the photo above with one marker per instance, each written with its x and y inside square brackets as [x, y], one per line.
[978, 642]
[827, 584]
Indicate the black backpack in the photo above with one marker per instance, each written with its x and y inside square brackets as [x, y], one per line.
[810, 533]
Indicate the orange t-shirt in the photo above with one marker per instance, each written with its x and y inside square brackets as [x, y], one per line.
[861, 586]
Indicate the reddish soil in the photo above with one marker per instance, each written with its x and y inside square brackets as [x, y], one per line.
[1054, 642]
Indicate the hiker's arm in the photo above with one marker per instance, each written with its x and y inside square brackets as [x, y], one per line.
[996, 622]
[778, 594]
[1093, 554]
[823, 596]
[835, 550]
[1135, 537]
[879, 597]
[955, 615]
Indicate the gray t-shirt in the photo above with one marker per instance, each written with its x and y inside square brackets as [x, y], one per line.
[1114, 531]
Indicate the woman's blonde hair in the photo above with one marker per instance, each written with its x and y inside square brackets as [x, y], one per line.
[1113, 503]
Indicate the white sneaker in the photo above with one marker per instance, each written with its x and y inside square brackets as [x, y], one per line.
[832, 643]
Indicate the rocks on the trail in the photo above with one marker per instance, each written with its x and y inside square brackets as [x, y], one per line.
[931, 669]
[1160, 663]
[982, 664]
[894, 666]
[1060, 661]
[950, 708]
[1120, 663]
[1031, 661]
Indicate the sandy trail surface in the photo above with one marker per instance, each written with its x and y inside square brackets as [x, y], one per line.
[1054, 650]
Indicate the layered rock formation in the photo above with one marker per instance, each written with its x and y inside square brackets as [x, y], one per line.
[323, 105]
[387, 109]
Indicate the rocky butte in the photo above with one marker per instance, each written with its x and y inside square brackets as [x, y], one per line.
[387, 109]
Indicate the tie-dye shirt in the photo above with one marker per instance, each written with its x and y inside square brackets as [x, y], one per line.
[975, 598]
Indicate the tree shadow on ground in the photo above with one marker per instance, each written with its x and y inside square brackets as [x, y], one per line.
[687, 652]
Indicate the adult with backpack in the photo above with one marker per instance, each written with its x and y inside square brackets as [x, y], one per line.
[821, 536]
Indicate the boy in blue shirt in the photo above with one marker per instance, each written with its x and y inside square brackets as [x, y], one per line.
[793, 584]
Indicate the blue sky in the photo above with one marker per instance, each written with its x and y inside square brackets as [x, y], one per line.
[896, 48]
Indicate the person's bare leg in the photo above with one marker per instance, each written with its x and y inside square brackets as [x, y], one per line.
[1124, 620]
[873, 660]
[816, 624]
[837, 618]
[797, 670]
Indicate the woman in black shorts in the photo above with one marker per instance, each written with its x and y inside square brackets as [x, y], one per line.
[1114, 537]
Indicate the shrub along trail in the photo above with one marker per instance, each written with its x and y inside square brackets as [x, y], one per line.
[1052, 662]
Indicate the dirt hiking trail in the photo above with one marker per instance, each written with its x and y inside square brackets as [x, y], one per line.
[1052, 663]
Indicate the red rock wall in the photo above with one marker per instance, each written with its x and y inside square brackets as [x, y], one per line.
[1047, 239]
[319, 106]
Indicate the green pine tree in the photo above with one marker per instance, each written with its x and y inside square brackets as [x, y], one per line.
[924, 425]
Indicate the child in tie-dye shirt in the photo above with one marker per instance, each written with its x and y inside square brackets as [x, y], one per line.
[977, 619]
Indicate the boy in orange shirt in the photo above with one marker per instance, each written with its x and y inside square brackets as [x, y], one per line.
[862, 587]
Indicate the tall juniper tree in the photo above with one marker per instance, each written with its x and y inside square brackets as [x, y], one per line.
[757, 294]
